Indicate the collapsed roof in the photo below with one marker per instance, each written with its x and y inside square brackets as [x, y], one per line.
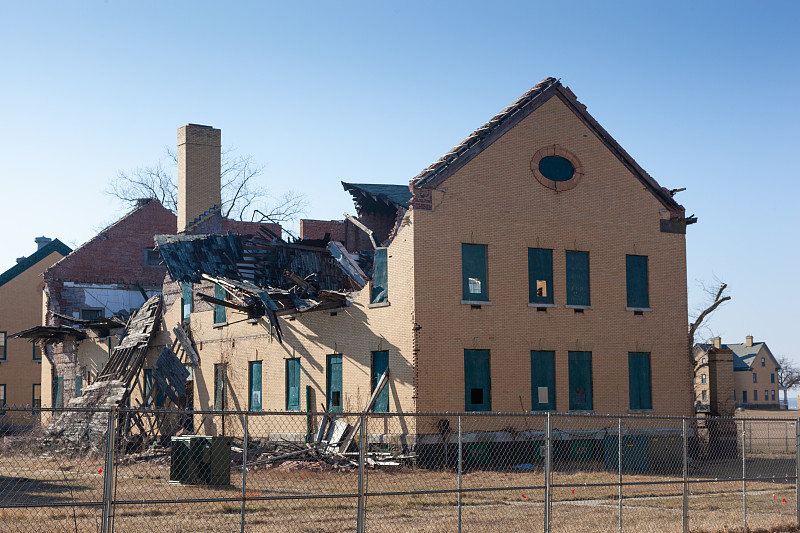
[263, 275]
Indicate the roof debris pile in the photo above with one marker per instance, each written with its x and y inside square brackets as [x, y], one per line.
[265, 276]
[85, 427]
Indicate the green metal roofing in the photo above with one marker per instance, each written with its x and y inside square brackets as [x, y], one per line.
[53, 246]
[399, 195]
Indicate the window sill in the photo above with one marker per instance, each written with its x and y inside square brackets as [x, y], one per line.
[475, 302]
[640, 309]
[570, 306]
[218, 325]
[541, 305]
[379, 304]
[581, 411]
[636, 411]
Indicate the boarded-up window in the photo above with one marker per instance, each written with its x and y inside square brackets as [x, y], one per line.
[334, 383]
[474, 272]
[219, 386]
[580, 381]
[477, 381]
[293, 384]
[255, 386]
[636, 276]
[380, 277]
[639, 380]
[543, 380]
[578, 278]
[380, 363]
[219, 310]
[540, 275]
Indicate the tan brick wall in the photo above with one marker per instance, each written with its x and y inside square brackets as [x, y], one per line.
[355, 332]
[22, 309]
[495, 200]
[743, 380]
[199, 155]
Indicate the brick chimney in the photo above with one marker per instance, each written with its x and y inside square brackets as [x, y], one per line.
[717, 341]
[748, 340]
[199, 155]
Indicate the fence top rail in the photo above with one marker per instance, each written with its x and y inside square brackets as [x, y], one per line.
[468, 414]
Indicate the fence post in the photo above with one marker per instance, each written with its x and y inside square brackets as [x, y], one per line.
[797, 470]
[744, 475]
[547, 475]
[107, 523]
[685, 479]
[619, 468]
[459, 473]
[361, 450]
[245, 433]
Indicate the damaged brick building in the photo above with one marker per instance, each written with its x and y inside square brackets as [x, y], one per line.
[536, 266]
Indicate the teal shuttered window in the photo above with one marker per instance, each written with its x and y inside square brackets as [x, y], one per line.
[255, 385]
[219, 386]
[58, 392]
[148, 385]
[477, 381]
[580, 381]
[380, 277]
[543, 381]
[639, 380]
[219, 310]
[186, 301]
[380, 364]
[578, 278]
[474, 273]
[78, 385]
[540, 276]
[293, 384]
[334, 383]
[636, 276]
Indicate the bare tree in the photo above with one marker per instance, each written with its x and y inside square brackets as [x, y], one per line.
[717, 297]
[242, 197]
[788, 374]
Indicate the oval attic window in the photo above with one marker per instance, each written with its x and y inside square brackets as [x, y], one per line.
[556, 168]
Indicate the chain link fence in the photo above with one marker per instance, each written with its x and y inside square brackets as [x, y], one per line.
[78, 470]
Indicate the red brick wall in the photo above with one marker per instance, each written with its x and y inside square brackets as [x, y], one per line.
[115, 255]
[316, 229]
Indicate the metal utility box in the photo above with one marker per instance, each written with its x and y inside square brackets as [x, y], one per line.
[634, 453]
[200, 459]
[582, 449]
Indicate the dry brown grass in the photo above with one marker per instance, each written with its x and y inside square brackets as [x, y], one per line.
[714, 506]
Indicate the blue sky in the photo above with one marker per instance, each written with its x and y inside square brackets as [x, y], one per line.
[702, 94]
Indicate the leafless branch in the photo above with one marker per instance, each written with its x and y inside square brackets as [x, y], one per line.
[242, 195]
[788, 374]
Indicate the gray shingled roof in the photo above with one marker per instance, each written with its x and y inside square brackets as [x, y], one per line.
[394, 195]
[53, 246]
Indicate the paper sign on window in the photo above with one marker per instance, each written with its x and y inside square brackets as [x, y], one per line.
[543, 396]
[541, 288]
[256, 398]
[474, 286]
